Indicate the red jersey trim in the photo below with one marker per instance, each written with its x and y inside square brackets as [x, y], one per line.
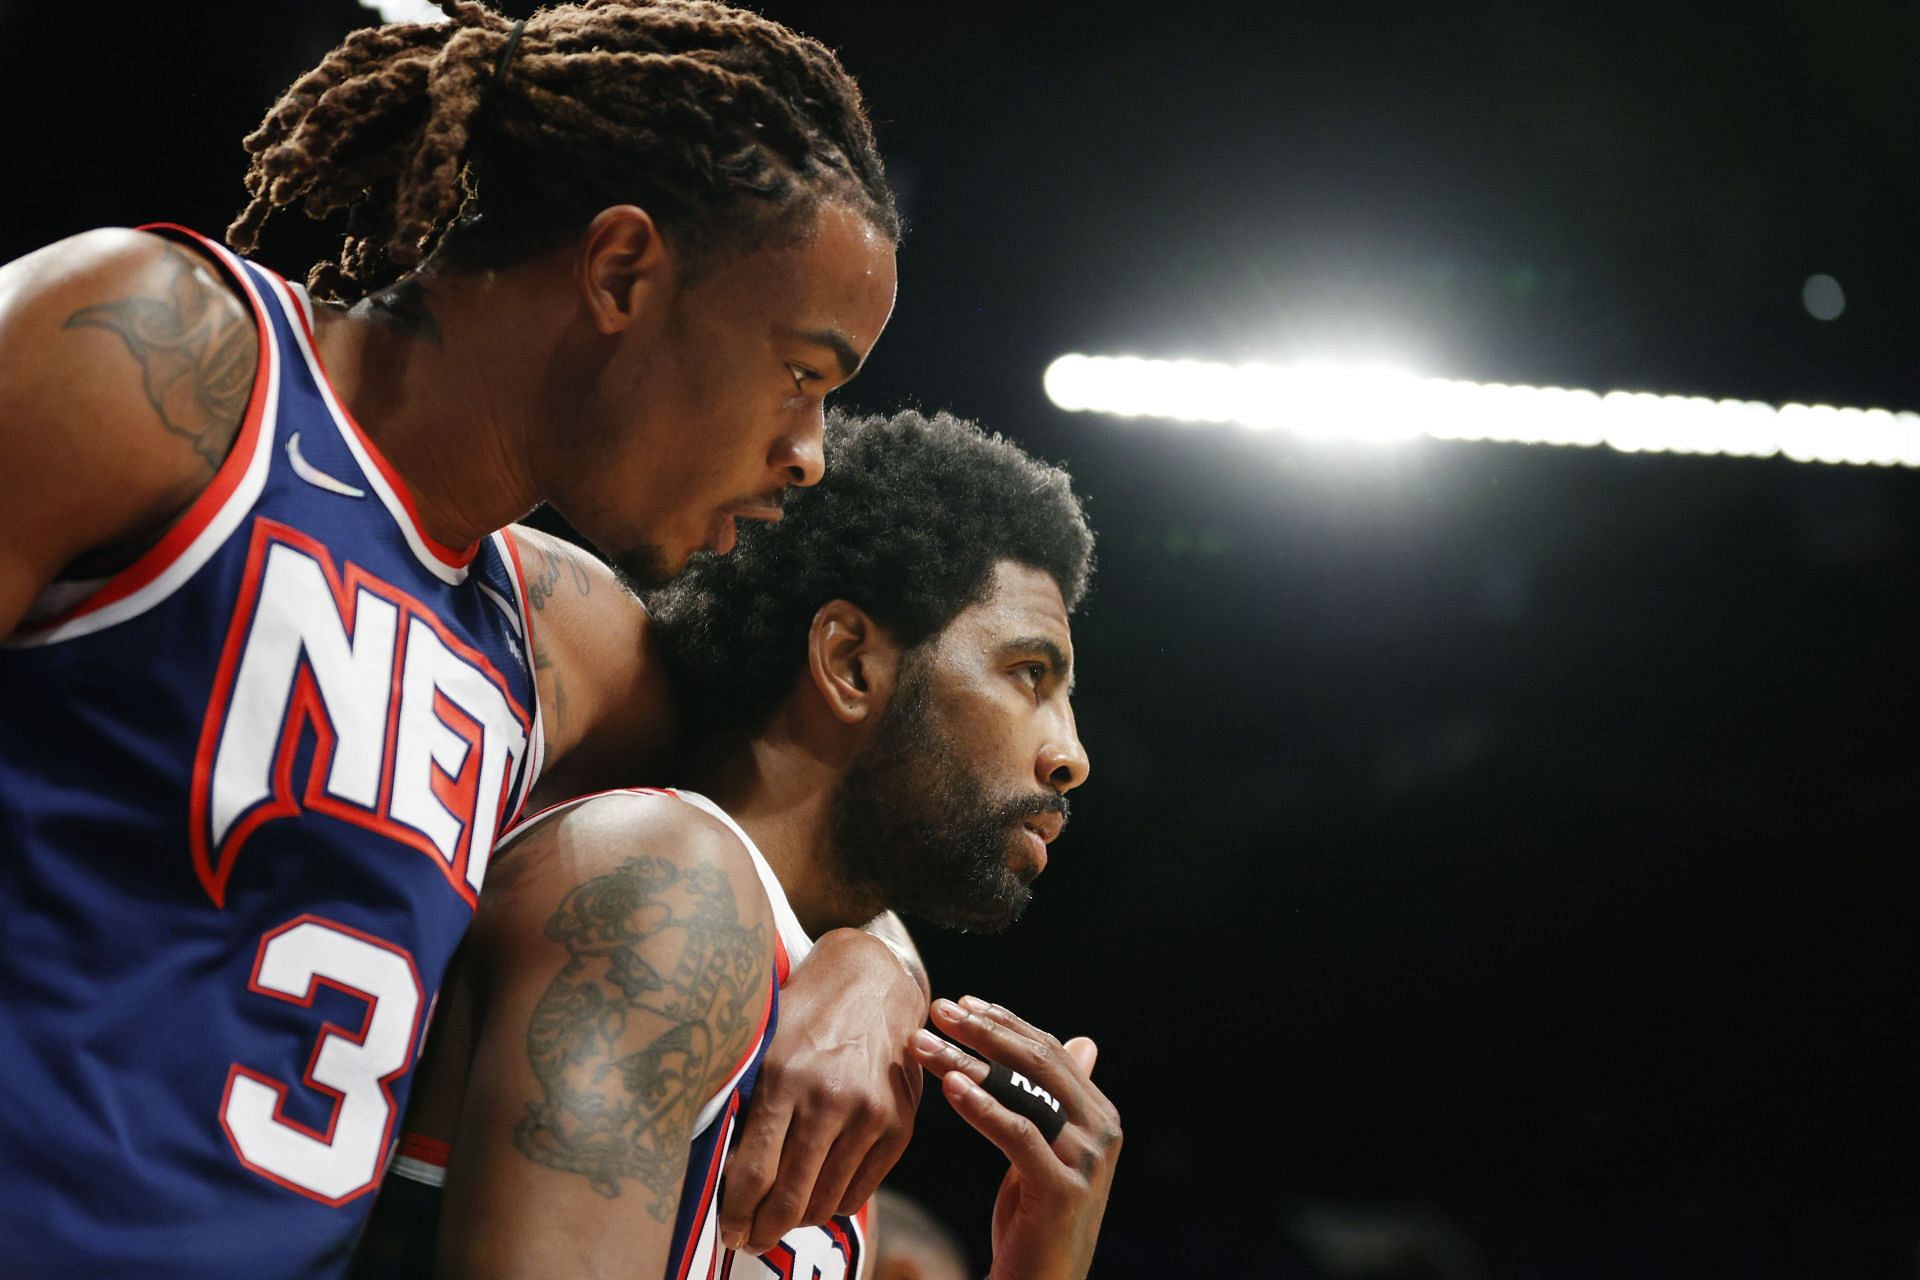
[175, 542]
[754, 1046]
[451, 557]
[418, 1146]
[712, 1182]
[536, 760]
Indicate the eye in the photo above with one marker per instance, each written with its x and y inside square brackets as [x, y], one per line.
[1032, 673]
[801, 376]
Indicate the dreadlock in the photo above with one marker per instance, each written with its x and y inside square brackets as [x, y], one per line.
[727, 127]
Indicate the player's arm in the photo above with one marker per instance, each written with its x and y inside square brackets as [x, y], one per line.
[402, 1233]
[622, 964]
[609, 715]
[834, 1109]
[836, 1100]
[125, 369]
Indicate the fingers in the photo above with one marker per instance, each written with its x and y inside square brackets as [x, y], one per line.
[802, 1167]
[751, 1169]
[835, 1173]
[881, 1158]
[833, 1189]
[1005, 1038]
[1018, 1138]
[1092, 1133]
[940, 1057]
[889, 1145]
[974, 1004]
[784, 1206]
[873, 1135]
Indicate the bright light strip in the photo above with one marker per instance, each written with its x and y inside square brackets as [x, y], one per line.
[1377, 403]
[424, 11]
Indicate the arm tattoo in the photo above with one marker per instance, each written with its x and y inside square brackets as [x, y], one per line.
[553, 567]
[196, 355]
[658, 994]
[557, 713]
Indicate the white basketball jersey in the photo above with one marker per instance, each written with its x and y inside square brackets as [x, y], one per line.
[838, 1250]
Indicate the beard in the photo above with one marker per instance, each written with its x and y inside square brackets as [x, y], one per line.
[641, 569]
[915, 829]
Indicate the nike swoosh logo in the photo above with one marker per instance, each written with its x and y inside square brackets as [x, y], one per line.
[314, 475]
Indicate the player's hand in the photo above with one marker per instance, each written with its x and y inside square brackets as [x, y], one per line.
[1047, 1217]
[834, 1106]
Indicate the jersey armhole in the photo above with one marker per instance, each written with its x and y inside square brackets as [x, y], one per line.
[537, 746]
[210, 517]
[422, 1159]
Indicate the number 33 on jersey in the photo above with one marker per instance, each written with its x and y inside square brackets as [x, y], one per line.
[248, 789]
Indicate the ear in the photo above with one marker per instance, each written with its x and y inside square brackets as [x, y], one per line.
[852, 661]
[624, 263]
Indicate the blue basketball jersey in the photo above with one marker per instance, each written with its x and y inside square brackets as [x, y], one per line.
[248, 791]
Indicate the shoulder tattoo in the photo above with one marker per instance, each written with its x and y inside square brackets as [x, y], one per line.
[556, 567]
[196, 353]
[657, 995]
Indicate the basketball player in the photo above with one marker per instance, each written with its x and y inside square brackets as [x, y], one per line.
[881, 683]
[268, 689]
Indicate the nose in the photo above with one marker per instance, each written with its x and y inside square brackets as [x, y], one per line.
[802, 454]
[1062, 764]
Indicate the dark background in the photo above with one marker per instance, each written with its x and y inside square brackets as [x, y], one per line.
[1497, 858]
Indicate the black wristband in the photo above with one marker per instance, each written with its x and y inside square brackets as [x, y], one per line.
[1019, 1094]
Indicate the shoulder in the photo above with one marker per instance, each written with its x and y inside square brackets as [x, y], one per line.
[609, 713]
[104, 253]
[548, 559]
[576, 599]
[110, 265]
[126, 363]
[623, 977]
[598, 861]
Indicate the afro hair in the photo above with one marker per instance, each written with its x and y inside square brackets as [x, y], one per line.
[909, 523]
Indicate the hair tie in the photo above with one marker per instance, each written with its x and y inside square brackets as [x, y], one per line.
[506, 56]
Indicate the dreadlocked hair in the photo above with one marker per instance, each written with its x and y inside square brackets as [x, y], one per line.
[728, 128]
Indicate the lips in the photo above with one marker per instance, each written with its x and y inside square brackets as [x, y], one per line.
[726, 523]
[1040, 830]
[767, 511]
[1045, 825]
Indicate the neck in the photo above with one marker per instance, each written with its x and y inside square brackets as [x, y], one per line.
[442, 390]
[780, 789]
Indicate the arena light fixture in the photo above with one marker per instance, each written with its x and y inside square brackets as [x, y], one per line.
[405, 10]
[1377, 403]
